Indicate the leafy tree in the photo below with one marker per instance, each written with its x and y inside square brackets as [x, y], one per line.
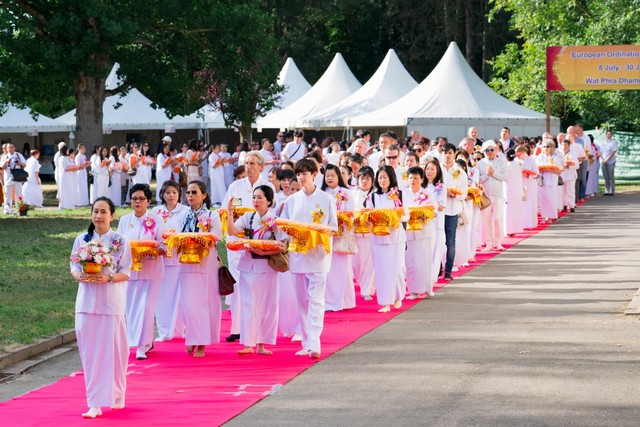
[54, 49]
[520, 69]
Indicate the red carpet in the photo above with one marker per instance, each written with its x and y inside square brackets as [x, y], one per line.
[172, 388]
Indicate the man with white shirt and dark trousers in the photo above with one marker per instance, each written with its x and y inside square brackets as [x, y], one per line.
[296, 149]
[454, 177]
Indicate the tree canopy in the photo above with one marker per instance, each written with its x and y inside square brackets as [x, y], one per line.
[520, 68]
[54, 50]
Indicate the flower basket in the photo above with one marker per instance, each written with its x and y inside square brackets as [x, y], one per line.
[91, 267]
[384, 220]
[419, 215]
[192, 247]
[93, 255]
[141, 249]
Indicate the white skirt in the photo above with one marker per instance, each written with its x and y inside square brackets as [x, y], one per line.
[259, 319]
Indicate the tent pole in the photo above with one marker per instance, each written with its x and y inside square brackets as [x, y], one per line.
[548, 110]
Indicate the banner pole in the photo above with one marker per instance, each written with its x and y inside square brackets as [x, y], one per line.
[548, 110]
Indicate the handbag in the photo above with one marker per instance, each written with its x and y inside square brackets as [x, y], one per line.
[225, 280]
[19, 175]
[278, 262]
[485, 202]
[560, 180]
[132, 171]
[182, 179]
[462, 219]
[345, 244]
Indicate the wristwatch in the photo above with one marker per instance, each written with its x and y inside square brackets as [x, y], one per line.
[111, 277]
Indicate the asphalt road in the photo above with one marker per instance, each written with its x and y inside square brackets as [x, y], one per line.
[534, 337]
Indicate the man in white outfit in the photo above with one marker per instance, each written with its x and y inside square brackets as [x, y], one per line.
[13, 189]
[493, 172]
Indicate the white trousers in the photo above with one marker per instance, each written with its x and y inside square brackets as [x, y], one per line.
[569, 193]
[12, 189]
[340, 292]
[259, 295]
[234, 300]
[363, 266]
[419, 274]
[202, 307]
[142, 297]
[169, 320]
[102, 343]
[493, 221]
[309, 289]
[288, 321]
[388, 262]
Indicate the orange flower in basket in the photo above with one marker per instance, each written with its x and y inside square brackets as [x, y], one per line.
[455, 191]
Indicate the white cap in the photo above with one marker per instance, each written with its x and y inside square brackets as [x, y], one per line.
[490, 143]
[167, 139]
[61, 144]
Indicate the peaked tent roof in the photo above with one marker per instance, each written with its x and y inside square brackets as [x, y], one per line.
[134, 112]
[18, 120]
[336, 84]
[451, 91]
[390, 82]
[294, 83]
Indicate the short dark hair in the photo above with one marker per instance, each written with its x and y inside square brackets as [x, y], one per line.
[267, 191]
[416, 170]
[449, 147]
[141, 187]
[169, 183]
[286, 174]
[305, 165]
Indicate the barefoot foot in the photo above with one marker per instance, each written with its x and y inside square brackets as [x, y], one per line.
[92, 413]
[385, 309]
[199, 351]
[190, 349]
[246, 350]
[263, 351]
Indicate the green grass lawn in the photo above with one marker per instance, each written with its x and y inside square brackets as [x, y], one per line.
[37, 293]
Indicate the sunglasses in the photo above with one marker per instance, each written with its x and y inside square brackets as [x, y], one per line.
[391, 157]
[418, 150]
[191, 192]
[489, 150]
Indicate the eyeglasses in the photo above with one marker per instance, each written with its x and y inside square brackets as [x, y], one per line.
[138, 199]
[489, 150]
[391, 157]
[191, 192]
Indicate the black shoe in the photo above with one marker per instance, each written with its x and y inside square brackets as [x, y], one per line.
[447, 276]
[573, 209]
[564, 209]
[233, 338]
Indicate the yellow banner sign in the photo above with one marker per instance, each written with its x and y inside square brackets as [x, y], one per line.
[593, 67]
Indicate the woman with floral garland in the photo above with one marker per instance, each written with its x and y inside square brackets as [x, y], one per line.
[340, 292]
[362, 261]
[199, 288]
[433, 182]
[169, 320]
[388, 251]
[257, 281]
[419, 242]
[100, 313]
[144, 285]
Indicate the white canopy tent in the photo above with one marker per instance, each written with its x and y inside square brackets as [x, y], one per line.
[336, 84]
[390, 82]
[133, 111]
[20, 120]
[452, 99]
[295, 85]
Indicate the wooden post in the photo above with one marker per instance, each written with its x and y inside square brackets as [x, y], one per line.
[548, 110]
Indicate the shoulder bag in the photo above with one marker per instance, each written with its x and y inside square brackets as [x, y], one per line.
[19, 175]
[278, 262]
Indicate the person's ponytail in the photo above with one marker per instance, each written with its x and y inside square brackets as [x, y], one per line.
[87, 237]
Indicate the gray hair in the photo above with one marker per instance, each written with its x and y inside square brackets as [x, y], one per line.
[257, 155]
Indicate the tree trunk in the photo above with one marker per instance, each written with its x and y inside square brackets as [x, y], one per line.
[245, 130]
[90, 96]
[469, 28]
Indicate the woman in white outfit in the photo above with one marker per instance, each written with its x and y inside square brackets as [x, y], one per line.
[340, 292]
[164, 166]
[388, 251]
[193, 161]
[199, 288]
[68, 184]
[363, 261]
[257, 281]
[419, 242]
[547, 192]
[433, 175]
[144, 285]
[83, 183]
[169, 317]
[115, 169]
[101, 173]
[100, 310]
[530, 186]
[513, 194]
[216, 175]
[32, 190]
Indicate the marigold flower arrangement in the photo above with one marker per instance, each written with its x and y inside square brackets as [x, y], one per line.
[205, 224]
[22, 206]
[455, 173]
[93, 252]
[317, 215]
